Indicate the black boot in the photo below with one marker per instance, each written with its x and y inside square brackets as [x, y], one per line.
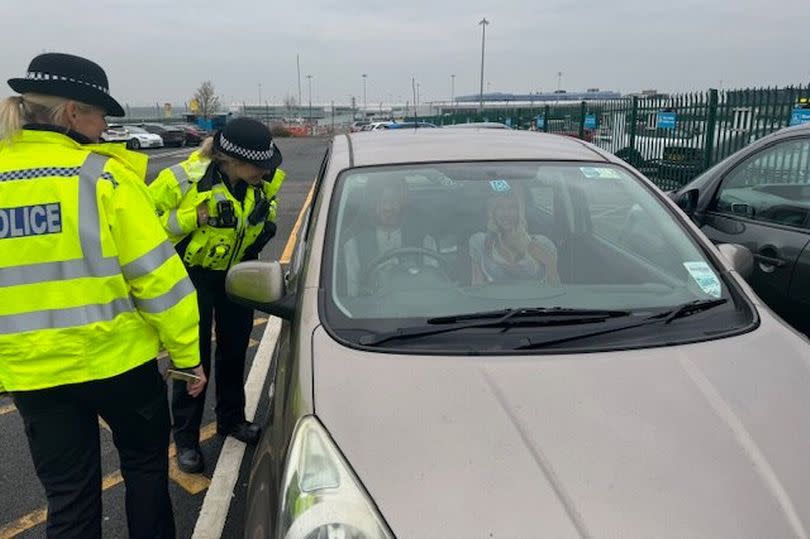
[190, 460]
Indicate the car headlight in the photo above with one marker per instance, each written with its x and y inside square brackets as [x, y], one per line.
[321, 496]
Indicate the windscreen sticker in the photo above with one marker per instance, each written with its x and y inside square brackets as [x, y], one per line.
[704, 277]
[500, 186]
[599, 172]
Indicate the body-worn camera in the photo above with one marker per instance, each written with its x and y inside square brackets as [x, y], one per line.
[225, 217]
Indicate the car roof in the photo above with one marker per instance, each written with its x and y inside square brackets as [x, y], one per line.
[474, 125]
[432, 145]
[801, 129]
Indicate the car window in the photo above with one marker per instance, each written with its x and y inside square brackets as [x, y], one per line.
[306, 223]
[421, 241]
[771, 186]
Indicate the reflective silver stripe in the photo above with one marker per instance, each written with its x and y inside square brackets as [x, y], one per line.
[64, 318]
[173, 224]
[183, 181]
[93, 264]
[149, 262]
[166, 301]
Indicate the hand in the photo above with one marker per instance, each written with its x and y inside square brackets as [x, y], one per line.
[548, 259]
[195, 388]
[202, 214]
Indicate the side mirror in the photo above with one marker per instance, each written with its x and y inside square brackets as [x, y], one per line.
[740, 258]
[260, 285]
[687, 201]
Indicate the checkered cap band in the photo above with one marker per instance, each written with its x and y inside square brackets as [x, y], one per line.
[251, 155]
[39, 75]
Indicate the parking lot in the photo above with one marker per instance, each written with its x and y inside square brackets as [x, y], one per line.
[22, 500]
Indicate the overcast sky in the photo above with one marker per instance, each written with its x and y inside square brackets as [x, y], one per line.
[160, 50]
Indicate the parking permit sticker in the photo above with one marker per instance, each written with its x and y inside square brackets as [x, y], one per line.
[598, 172]
[499, 186]
[704, 277]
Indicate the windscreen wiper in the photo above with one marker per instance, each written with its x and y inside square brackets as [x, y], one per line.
[664, 317]
[539, 316]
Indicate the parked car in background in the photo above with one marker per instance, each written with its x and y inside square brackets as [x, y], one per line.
[138, 137]
[358, 125]
[760, 197]
[377, 126]
[171, 135]
[409, 125]
[619, 379]
[194, 135]
[115, 133]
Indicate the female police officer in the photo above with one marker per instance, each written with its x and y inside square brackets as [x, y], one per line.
[89, 288]
[218, 208]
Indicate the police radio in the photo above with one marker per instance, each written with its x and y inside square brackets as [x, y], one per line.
[260, 210]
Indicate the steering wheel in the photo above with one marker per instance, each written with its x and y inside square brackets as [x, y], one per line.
[421, 253]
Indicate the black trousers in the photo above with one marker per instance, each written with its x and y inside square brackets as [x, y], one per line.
[63, 436]
[234, 325]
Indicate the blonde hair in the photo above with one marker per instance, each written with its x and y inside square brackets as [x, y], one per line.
[207, 151]
[18, 110]
[516, 241]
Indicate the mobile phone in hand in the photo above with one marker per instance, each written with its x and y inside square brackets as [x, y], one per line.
[183, 376]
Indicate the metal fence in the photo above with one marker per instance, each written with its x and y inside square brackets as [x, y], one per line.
[670, 138]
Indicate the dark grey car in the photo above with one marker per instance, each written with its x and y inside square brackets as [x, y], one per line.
[760, 197]
[494, 333]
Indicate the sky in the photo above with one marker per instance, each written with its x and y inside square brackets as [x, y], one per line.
[157, 51]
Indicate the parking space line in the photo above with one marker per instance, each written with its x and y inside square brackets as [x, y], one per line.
[32, 519]
[191, 483]
[288, 249]
[217, 501]
[35, 518]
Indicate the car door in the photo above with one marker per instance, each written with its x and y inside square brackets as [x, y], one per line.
[764, 204]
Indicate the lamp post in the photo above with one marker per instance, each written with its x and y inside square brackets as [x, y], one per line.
[484, 23]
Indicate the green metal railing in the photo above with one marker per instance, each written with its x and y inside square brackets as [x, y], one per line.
[671, 139]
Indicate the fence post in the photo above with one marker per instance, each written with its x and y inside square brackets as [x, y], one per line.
[581, 120]
[633, 122]
[546, 111]
[711, 122]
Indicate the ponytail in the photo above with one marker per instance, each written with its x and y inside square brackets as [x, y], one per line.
[12, 116]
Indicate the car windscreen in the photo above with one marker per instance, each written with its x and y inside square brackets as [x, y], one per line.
[137, 130]
[410, 244]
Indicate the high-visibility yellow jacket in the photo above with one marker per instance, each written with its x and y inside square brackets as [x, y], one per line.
[89, 285]
[178, 190]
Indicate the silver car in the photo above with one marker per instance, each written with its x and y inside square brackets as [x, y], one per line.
[515, 335]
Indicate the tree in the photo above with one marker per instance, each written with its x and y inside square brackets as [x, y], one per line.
[290, 102]
[206, 99]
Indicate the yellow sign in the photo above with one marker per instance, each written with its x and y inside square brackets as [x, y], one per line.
[167, 110]
[194, 105]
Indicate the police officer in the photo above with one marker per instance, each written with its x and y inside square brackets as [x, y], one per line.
[219, 209]
[89, 289]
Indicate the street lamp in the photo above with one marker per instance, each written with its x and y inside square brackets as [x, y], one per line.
[484, 23]
[365, 103]
[309, 82]
[452, 89]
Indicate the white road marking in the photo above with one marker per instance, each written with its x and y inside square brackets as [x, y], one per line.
[217, 501]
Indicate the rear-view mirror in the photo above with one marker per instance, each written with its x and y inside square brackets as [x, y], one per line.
[260, 285]
[740, 258]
